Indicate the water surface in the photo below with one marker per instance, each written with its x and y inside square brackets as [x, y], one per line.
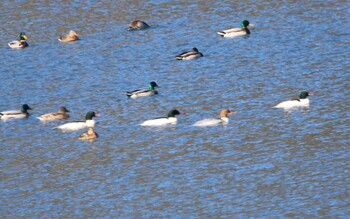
[265, 163]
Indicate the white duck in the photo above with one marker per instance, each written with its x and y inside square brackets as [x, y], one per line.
[189, 55]
[61, 114]
[216, 121]
[238, 31]
[170, 119]
[145, 92]
[15, 114]
[302, 101]
[74, 126]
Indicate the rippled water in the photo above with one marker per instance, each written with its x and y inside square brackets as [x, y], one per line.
[265, 163]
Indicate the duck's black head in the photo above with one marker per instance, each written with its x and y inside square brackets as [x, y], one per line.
[195, 49]
[173, 113]
[25, 107]
[244, 24]
[90, 115]
[152, 85]
[22, 36]
[304, 95]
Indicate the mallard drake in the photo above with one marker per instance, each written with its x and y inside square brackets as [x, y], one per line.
[19, 44]
[61, 114]
[239, 31]
[193, 54]
[90, 134]
[145, 92]
[302, 101]
[138, 25]
[15, 114]
[216, 121]
[170, 119]
[72, 36]
[76, 125]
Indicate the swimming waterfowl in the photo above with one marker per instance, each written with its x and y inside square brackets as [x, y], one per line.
[170, 119]
[61, 114]
[193, 54]
[15, 114]
[90, 134]
[72, 36]
[239, 31]
[19, 44]
[74, 126]
[138, 25]
[216, 121]
[144, 93]
[302, 101]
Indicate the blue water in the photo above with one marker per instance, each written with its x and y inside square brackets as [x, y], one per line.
[266, 163]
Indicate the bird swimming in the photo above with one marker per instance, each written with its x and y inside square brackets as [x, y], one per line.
[90, 134]
[169, 119]
[216, 121]
[19, 44]
[138, 25]
[61, 114]
[15, 114]
[302, 101]
[239, 31]
[76, 125]
[189, 55]
[145, 92]
[72, 36]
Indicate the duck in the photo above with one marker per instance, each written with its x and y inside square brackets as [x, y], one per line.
[77, 125]
[216, 121]
[61, 114]
[145, 92]
[138, 25]
[169, 119]
[72, 36]
[302, 101]
[16, 114]
[239, 31]
[90, 134]
[193, 54]
[19, 44]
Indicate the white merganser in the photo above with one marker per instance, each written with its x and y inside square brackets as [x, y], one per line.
[302, 101]
[74, 126]
[19, 44]
[15, 114]
[61, 114]
[145, 92]
[193, 54]
[214, 121]
[170, 119]
[239, 31]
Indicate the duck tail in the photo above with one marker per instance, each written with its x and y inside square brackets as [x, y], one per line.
[179, 57]
[221, 33]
